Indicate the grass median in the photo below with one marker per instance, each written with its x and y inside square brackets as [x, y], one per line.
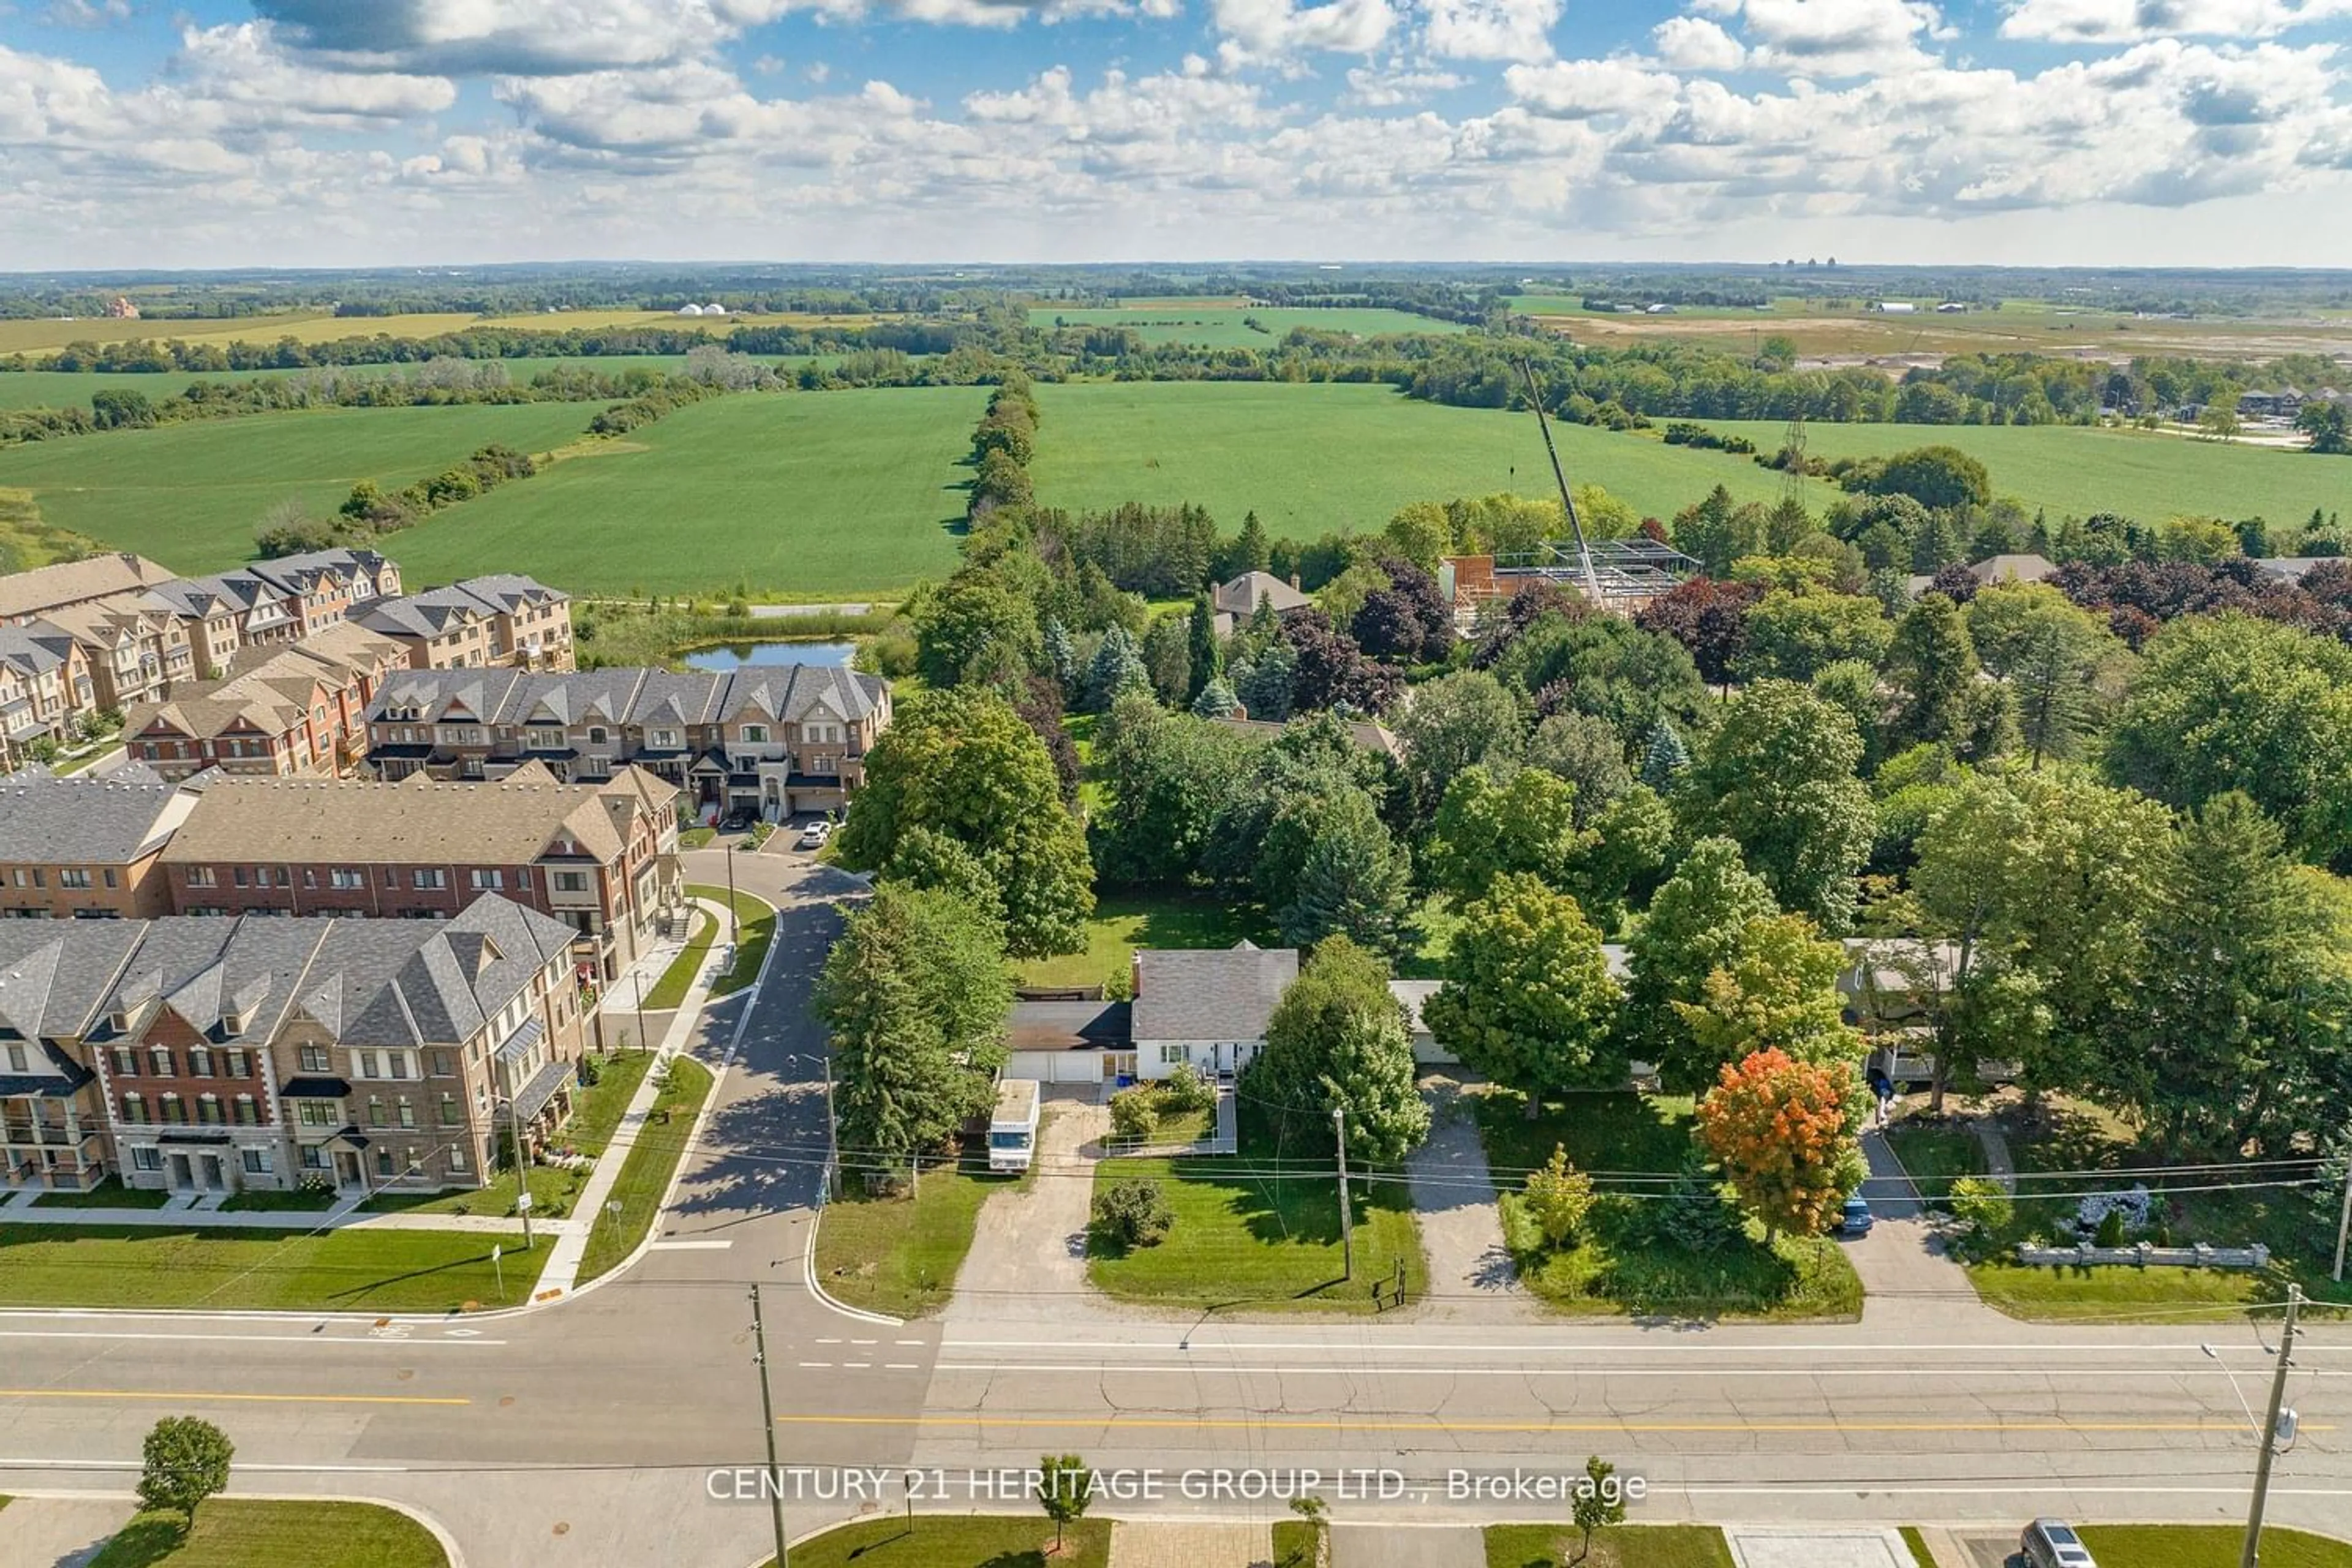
[2209, 1546]
[652, 1159]
[1260, 1230]
[934, 1541]
[670, 989]
[1618, 1546]
[110, 1194]
[899, 1253]
[755, 922]
[237, 1532]
[1614, 1268]
[290, 1270]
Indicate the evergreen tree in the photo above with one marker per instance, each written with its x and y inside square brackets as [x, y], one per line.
[1217, 700]
[1934, 667]
[1168, 661]
[1250, 550]
[1117, 668]
[1337, 1039]
[1062, 657]
[1202, 634]
[1355, 882]
[1264, 682]
[1667, 758]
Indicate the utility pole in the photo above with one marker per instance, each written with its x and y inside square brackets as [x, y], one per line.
[2344, 1222]
[2251, 1556]
[774, 1482]
[731, 933]
[1346, 1214]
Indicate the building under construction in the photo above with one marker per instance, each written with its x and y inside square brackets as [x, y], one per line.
[1623, 573]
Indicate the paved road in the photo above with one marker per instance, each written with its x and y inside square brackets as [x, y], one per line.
[583, 1435]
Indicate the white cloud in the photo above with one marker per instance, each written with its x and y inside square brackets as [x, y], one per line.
[1373, 88]
[1272, 31]
[1584, 89]
[2133, 21]
[1833, 38]
[86, 12]
[241, 65]
[1695, 43]
[1490, 30]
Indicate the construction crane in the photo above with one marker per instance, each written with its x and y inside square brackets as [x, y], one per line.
[1568, 502]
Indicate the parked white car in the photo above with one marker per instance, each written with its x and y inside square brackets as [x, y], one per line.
[814, 836]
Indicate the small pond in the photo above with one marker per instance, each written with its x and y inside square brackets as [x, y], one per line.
[737, 656]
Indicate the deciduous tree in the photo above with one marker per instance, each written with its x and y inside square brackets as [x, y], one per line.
[1336, 1040]
[1527, 999]
[1780, 1129]
[1692, 930]
[1778, 778]
[184, 1460]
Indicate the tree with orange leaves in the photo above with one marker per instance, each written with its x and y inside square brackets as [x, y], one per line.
[1780, 1129]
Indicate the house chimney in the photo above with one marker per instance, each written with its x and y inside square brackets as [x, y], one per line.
[1134, 976]
[1294, 581]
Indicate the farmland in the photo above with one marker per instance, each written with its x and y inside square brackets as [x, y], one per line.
[63, 389]
[811, 492]
[191, 496]
[38, 336]
[1219, 324]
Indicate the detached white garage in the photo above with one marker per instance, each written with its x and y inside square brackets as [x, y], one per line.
[1071, 1042]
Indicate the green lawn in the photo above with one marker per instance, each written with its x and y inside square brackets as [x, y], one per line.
[1219, 324]
[1611, 1270]
[341, 1270]
[2077, 471]
[1617, 1546]
[645, 1173]
[935, 1541]
[301, 1200]
[824, 492]
[2065, 1135]
[236, 1532]
[1936, 1154]
[553, 1192]
[755, 928]
[2208, 1546]
[899, 1254]
[1914, 1543]
[110, 1194]
[1124, 921]
[597, 1108]
[1295, 1543]
[1260, 1230]
[191, 496]
[670, 989]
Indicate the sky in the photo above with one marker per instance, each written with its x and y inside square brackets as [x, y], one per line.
[411, 132]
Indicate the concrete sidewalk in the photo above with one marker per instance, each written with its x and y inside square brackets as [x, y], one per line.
[58, 1531]
[563, 1270]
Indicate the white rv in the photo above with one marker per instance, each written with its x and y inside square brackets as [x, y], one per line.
[1012, 1129]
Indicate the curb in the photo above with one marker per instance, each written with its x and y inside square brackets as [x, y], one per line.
[808, 1277]
[424, 1521]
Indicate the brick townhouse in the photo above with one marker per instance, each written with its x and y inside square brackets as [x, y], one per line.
[482, 623]
[298, 710]
[777, 740]
[603, 858]
[86, 847]
[214, 1055]
[45, 685]
[28, 596]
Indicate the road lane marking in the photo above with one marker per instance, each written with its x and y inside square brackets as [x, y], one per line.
[815, 1366]
[1223, 1424]
[1343, 1369]
[235, 1398]
[1604, 1348]
[900, 1366]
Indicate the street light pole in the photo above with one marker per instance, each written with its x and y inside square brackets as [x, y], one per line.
[2251, 1556]
[2343, 1221]
[1346, 1214]
[522, 1171]
[730, 904]
[773, 1485]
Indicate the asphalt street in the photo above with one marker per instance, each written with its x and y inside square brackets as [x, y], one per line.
[588, 1432]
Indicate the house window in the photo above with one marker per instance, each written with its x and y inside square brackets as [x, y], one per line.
[597, 734]
[314, 1158]
[1171, 1054]
[664, 740]
[571, 881]
[314, 1058]
[433, 878]
[126, 1061]
[208, 1109]
[17, 1060]
[407, 1112]
[442, 1065]
[159, 1058]
[316, 1112]
[75, 878]
[200, 1062]
[147, 1158]
[237, 876]
[173, 1111]
[109, 878]
[236, 1066]
[755, 734]
[248, 1113]
[383, 1162]
[375, 1110]
[451, 1114]
[200, 875]
[257, 1161]
[489, 881]
[457, 1160]
[345, 877]
[134, 1109]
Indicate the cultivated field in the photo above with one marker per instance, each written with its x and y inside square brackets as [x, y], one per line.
[1307, 458]
[1219, 324]
[38, 336]
[191, 496]
[2018, 327]
[2070, 470]
[60, 389]
[811, 492]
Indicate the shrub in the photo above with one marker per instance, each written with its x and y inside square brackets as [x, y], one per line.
[2112, 1230]
[591, 1069]
[185, 1460]
[1187, 1090]
[1559, 1199]
[1133, 1213]
[1983, 1206]
[1133, 1115]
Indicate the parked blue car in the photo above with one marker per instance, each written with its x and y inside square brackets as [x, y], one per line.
[1857, 1218]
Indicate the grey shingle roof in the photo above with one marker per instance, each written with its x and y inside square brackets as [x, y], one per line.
[97, 819]
[53, 973]
[1209, 993]
[786, 693]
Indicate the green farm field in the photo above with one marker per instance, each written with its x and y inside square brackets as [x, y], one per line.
[191, 496]
[806, 492]
[38, 336]
[65, 389]
[2071, 469]
[1218, 324]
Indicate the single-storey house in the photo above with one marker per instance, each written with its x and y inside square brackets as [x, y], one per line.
[1207, 1006]
[1238, 600]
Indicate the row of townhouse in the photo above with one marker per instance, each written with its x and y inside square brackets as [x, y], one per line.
[211, 1055]
[775, 740]
[139, 634]
[600, 857]
[280, 712]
